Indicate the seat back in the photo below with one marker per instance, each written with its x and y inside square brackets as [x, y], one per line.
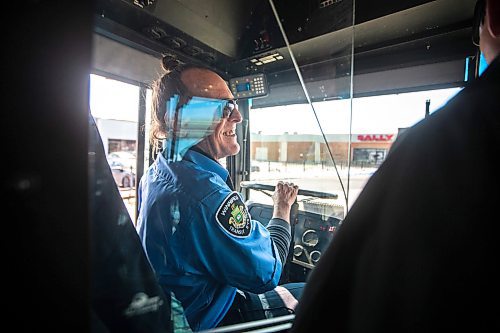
[125, 294]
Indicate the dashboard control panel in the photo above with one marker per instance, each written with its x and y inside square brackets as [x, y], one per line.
[249, 86]
[312, 233]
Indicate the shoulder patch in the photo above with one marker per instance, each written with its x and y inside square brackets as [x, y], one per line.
[233, 216]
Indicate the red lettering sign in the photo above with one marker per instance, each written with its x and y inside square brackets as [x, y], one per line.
[375, 137]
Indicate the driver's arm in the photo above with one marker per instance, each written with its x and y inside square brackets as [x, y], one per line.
[284, 196]
[281, 235]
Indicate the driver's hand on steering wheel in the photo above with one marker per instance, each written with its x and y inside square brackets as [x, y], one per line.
[283, 197]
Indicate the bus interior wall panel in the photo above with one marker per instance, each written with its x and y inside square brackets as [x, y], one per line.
[109, 56]
[240, 29]
[125, 22]
[215, 23]
[209, 33]
[303, 21]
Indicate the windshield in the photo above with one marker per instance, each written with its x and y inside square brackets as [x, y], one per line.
[319, 128]
[287, 143]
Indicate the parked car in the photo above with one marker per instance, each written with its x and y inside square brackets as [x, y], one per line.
[123, 177]
[254, 168]
[124, 159]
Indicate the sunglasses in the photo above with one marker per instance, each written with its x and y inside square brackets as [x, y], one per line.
[229, 108]
[479, 13]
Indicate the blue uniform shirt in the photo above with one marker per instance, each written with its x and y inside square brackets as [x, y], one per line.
[200, 239]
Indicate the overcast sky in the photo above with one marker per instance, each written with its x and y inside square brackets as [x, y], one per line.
[374, 115]
[112, 99]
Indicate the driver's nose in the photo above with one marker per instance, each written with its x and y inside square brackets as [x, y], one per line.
[236, 116]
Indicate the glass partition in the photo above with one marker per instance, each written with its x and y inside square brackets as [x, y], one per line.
[306, 139]
[331, 130]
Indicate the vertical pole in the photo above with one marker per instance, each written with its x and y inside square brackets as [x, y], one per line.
[141, 141]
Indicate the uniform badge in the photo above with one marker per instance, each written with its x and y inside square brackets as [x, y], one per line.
[233, 216]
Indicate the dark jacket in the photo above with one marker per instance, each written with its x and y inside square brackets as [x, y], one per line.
[419, 250]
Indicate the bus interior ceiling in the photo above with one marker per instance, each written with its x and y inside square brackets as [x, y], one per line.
[418, 44]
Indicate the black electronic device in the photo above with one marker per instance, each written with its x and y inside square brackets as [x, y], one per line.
[249, 86]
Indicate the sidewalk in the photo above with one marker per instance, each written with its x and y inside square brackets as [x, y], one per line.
[128, 196]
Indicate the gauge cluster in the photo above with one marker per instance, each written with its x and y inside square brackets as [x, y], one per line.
[312, 233]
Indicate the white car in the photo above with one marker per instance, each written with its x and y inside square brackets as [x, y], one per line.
[122, 159]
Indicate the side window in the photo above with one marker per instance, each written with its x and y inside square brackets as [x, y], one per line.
[114, 106]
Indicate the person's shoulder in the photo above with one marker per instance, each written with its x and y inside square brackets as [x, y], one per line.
[481, 93]
[476, 104]
[232, 215]
[200, 184]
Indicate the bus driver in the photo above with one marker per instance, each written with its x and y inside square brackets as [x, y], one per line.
[195, 229]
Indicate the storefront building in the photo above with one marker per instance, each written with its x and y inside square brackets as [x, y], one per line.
[306, 148]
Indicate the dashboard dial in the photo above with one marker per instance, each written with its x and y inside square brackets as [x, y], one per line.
[315, 255]
[310, 238]
[298, 250]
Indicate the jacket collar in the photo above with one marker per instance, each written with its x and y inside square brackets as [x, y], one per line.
[206, 163]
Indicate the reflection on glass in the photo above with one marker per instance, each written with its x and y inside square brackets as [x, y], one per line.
[189, 124]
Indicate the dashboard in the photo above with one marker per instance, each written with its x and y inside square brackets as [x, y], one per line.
[312, 232]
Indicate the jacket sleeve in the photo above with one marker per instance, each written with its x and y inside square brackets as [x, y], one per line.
[281, 235]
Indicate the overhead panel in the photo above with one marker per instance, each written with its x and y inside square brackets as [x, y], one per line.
[190, 30]
[241, 37]
[218, 24]
[413, 20]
